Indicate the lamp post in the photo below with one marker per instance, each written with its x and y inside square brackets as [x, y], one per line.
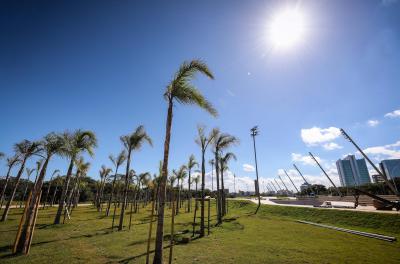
[254, 133]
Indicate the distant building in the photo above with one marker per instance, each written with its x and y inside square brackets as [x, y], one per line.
[391, 168]
[352, 171]
[304, 186]
[376, 178]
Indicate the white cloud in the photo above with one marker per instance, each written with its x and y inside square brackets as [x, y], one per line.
[386, 151]
[306, 160]
[394, 114]
[372, 123]
[331, 146]
[248, 168]
[315, 135]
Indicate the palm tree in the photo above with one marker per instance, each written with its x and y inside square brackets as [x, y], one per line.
[179, 90]
[81, 167]
[224, 167]
[203, 141]
[52, 144]
[131, 142]
[74, 144]
[38, 166]
[192, 163]
[222, 141]
[2, 155]
[25, 149]
[58, 182]
[11, 162]
[48, 188]
[29, 173]
[117, 161]
[196, 181]
[104, 172]
[179, 175]
[212, 163]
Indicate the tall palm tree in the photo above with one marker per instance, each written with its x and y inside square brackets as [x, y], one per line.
[58, 181]
[222, 141]
[179, 175]
[28, 173]
[179, 90]
[224, 167]
[117, 161]
[192, 163]
[25, 149]
[74, 144]
[52, 144]
[204, 141]
[11, 162]
[48, 188]
[196, 181]
[212, 163]
[131, 142]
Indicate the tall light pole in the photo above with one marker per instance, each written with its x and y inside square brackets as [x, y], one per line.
[254, 133]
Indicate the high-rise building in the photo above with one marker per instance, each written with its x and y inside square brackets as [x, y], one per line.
[352, 171]
[391, 168]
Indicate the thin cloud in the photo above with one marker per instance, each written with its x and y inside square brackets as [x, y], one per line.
[373, 122]
[331, 146]
[248, 168]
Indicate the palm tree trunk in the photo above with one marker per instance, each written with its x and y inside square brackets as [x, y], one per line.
[24, 237]
[7, 209]
[219, 213]
[158, 255]
[61, 202]
[123, 207]
[178, 201]
[203, 195]
[47, 193]
[112, 192]
[23, 196]
[223, 192]
[151, 225]
[3, 192]
[190, 194]
[171, 241]
[54, 196]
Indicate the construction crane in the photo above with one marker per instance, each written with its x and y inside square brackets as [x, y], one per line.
[284, 184]
[316, 161]
[390, 185]
[297, 190]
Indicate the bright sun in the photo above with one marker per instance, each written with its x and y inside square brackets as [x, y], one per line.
[287, 29]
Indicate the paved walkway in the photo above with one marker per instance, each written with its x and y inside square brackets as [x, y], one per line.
[266, 200]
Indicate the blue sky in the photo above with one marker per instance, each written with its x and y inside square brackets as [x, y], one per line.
[103, 66]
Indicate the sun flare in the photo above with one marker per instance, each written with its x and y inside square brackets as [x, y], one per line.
[287, 29]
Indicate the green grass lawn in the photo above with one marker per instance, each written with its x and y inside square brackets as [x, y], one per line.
[272, 236]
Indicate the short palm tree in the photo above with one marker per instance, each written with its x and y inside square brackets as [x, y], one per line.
[49, 186]
[131, 142]
[180, 175]
[204, 141]
[179, 90]
[52, 144]
[24, 150]
[224, 160]
[28, 173]
[222, 141]
[11, 162]
[117, 161]
[74, 144]
[104, 173]
[82, 169]
[192, 163]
